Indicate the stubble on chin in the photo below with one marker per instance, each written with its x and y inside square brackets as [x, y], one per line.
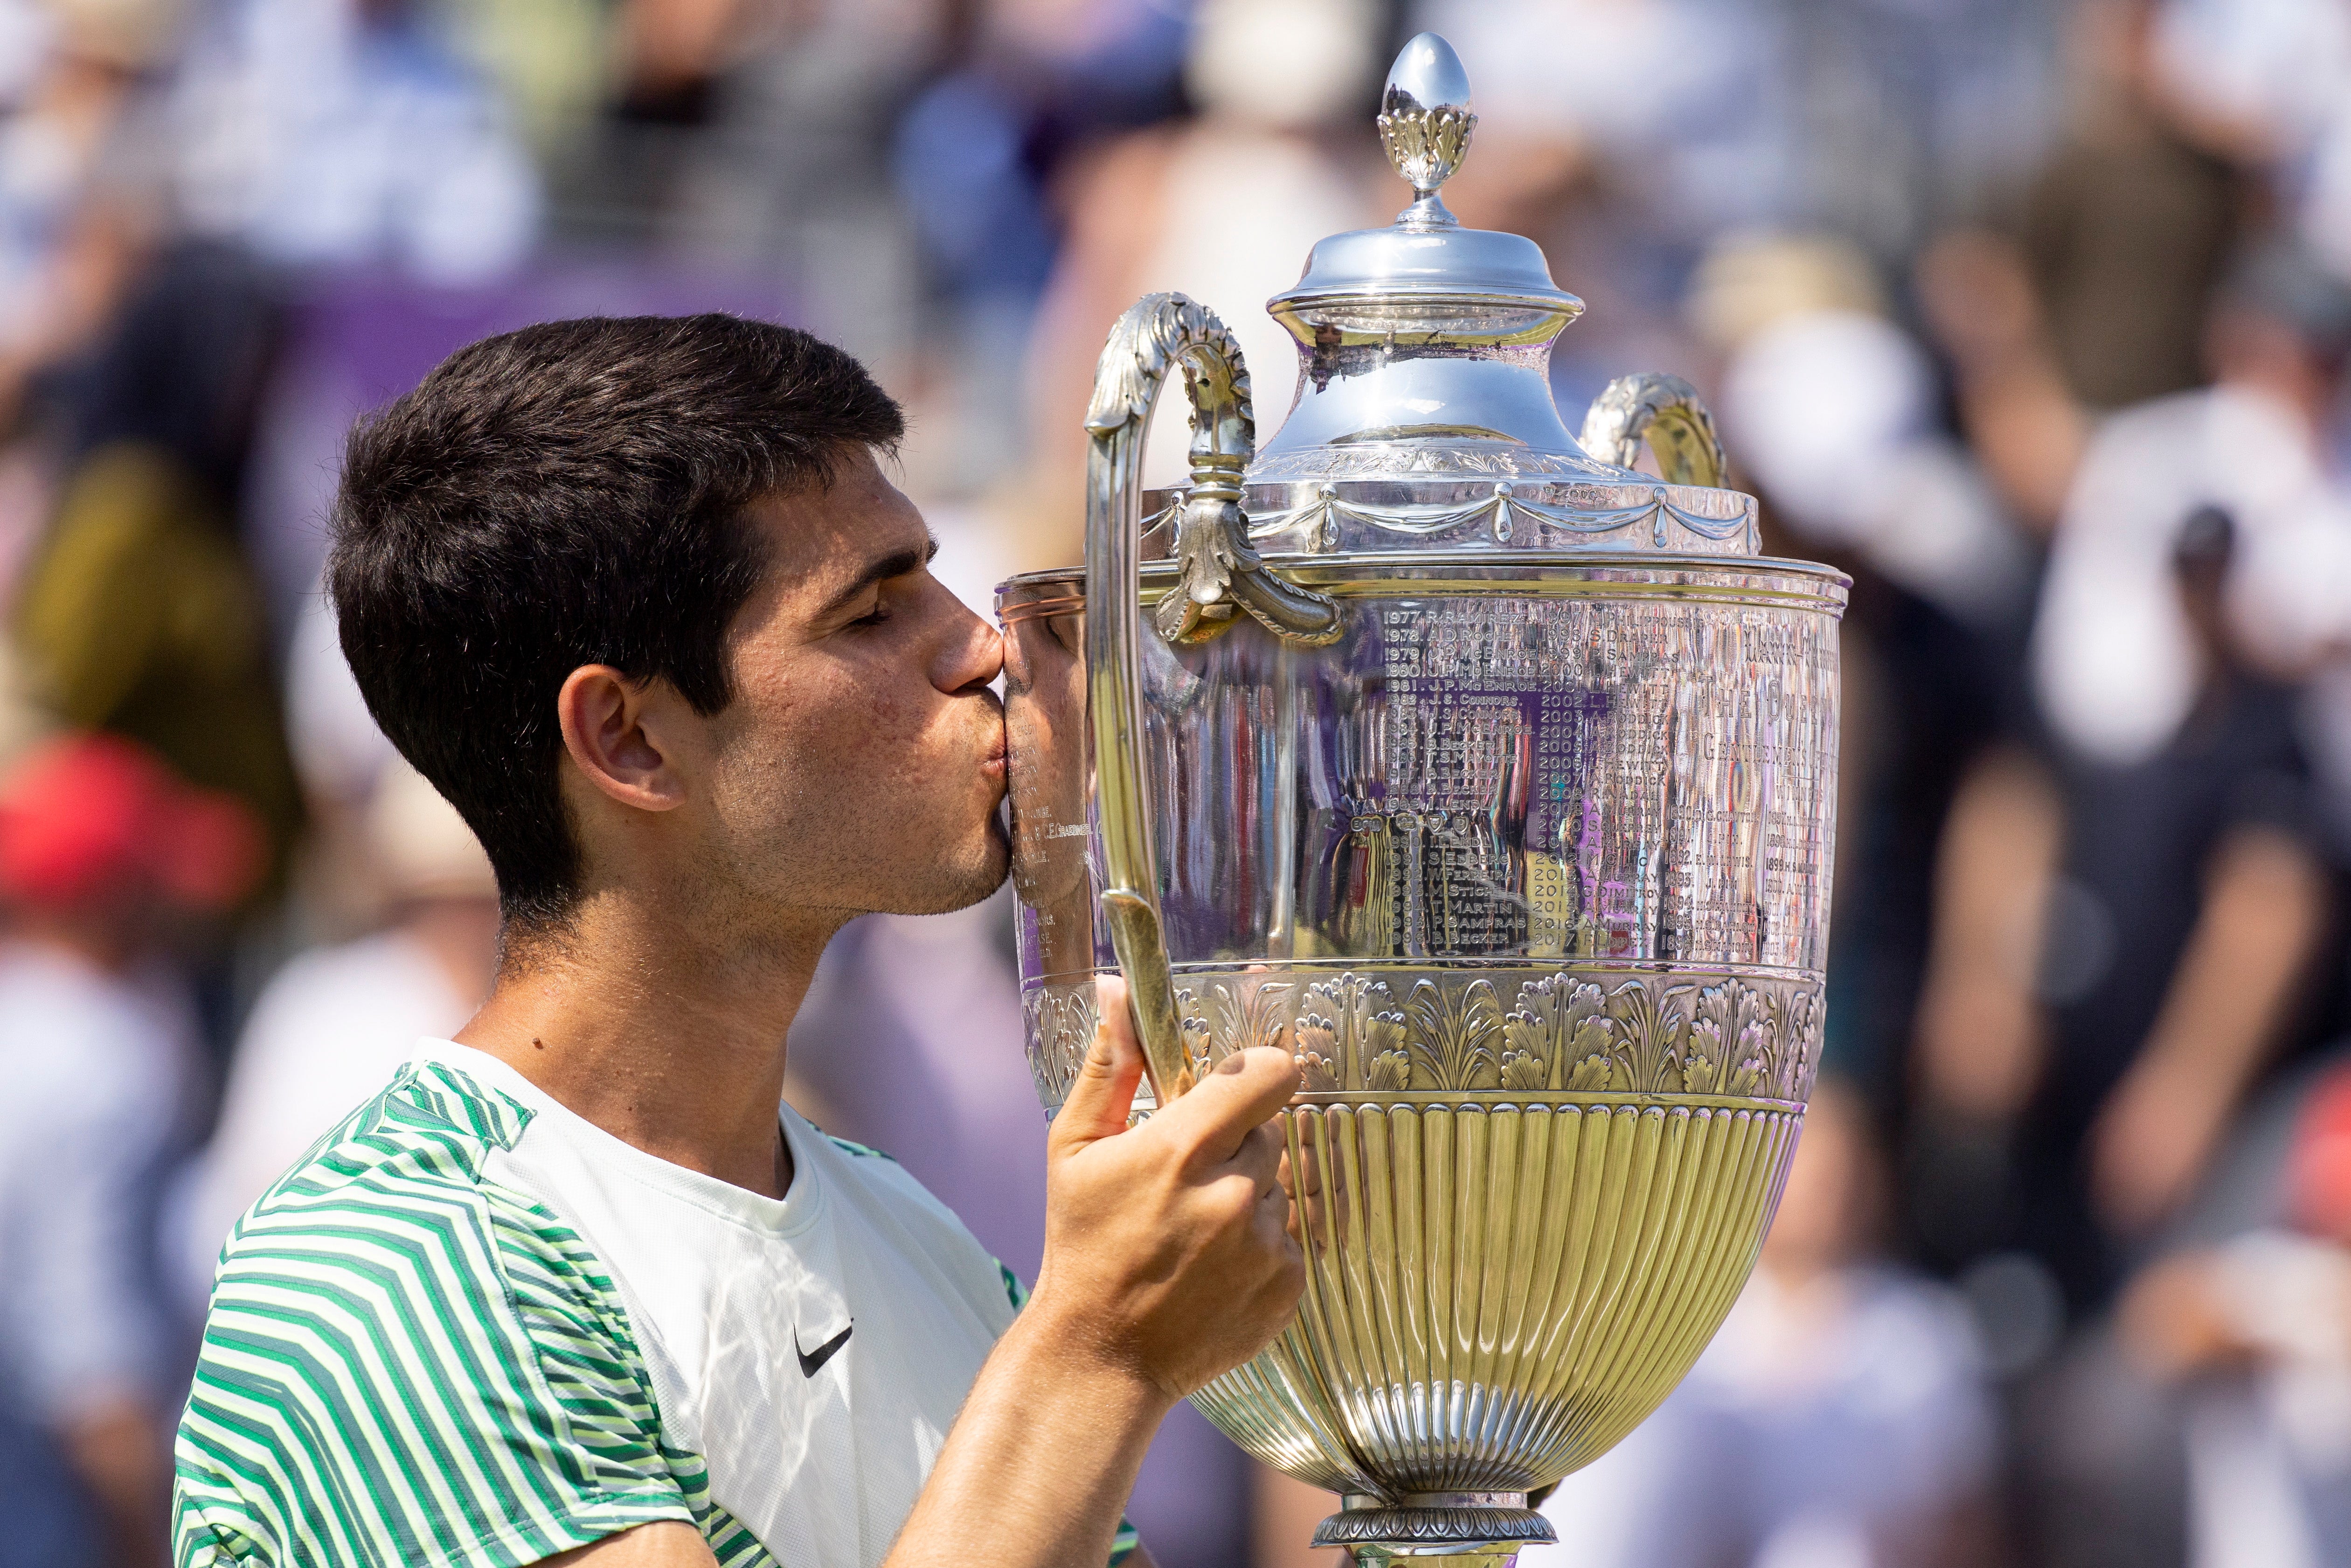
[972, 877]
[913, 867]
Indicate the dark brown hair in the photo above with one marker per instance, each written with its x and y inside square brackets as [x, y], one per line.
[570, 494]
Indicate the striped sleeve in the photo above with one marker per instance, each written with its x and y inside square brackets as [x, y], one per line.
[400, 1367]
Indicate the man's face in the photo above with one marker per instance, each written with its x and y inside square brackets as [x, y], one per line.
[860, 764]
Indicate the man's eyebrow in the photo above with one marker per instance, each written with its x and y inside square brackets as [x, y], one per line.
[897, 563]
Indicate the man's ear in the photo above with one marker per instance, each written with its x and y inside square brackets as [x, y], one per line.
[616, 731]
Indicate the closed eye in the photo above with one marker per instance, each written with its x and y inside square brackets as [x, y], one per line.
[903, 563]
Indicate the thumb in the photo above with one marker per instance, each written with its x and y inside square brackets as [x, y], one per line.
[1104, 1095]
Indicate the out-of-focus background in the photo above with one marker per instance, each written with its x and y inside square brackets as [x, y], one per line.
[2033, 314]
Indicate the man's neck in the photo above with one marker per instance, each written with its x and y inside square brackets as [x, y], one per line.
[631, 1023]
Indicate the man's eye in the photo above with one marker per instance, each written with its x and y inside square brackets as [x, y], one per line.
[874, 617]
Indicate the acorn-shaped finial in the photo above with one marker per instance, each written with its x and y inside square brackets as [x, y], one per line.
[1425, 120]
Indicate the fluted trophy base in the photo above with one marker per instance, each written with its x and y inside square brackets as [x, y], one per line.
[1436, 1530]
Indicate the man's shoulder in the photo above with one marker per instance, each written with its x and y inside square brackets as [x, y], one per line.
[426, 1135]
[402, 1354]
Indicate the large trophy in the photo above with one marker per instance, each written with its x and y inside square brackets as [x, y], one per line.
[1493, 780]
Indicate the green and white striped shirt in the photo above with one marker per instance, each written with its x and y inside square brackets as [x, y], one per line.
[471, 1328]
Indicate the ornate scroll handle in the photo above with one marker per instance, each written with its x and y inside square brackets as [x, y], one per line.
[1218, 571]
[1665, 412]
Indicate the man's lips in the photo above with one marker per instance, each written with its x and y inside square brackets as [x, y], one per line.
[991, 762]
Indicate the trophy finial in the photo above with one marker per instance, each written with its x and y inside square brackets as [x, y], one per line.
[1424, 120]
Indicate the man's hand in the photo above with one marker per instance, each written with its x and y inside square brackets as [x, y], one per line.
[1168, 1250]
[1168, 1259]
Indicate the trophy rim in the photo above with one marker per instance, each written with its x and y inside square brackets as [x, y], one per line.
[1570, 571]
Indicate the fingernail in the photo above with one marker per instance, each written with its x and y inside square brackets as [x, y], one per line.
[1230, 1064]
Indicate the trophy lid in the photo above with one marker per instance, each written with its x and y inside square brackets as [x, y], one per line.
[1425, 255]
[1423, 420]
[1427, 339]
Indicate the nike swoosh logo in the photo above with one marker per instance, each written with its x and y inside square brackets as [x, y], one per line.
[811, 1361]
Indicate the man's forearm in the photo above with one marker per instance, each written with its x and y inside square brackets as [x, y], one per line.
[2236, 983]
[1039, 1467]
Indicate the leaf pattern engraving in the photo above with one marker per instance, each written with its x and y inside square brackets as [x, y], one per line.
[1198, 1036]
[1531, 1045]
[1730, 1048]
[1455, 1038]
[1523, 1071]
[1388, 1072]
[1797, 1046]
[1646, 1058]
[1060, 1031]
[1564, 1031]
[1558, 1026]
[1248, 1011]
[1348, 1030]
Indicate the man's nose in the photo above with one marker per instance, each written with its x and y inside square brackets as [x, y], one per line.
[974, 655]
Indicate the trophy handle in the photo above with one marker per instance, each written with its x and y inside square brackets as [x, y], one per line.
[1665, 412]
[1219, 572]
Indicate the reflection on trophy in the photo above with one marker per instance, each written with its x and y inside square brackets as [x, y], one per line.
[1494, 779]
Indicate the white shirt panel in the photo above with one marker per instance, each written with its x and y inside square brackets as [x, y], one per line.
[734, 1298]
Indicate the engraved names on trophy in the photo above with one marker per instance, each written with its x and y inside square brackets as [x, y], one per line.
[1635, 777]
[1555, 781]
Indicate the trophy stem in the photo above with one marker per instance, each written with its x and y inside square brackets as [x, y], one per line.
[1436, 1530]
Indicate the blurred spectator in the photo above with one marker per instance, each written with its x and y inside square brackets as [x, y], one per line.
[2130, 227]
[348, 132]
[2104, 298]
[101, 852]
[2114, 662]
[547, 60]
[2208, 1424]
[780, 161]
[77, 215]
[2022, 418]
[1679, 121]
[2271, 83]
[2101, 297]
[1833, 412]
[2125, 948]
[1671, 88]
[1839, 1417]
[2182, 802]
[1029, 88]
[341, 758]
[1223, 208]
[137, 612]
[333, 1024]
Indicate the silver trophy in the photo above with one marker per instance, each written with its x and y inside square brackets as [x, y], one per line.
[1493, 780]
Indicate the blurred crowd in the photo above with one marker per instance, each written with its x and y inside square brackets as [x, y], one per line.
[2033, 315]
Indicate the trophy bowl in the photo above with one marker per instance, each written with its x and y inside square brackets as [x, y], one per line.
[1492, 778]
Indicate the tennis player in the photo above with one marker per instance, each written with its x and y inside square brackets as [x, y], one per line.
[637, 597]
